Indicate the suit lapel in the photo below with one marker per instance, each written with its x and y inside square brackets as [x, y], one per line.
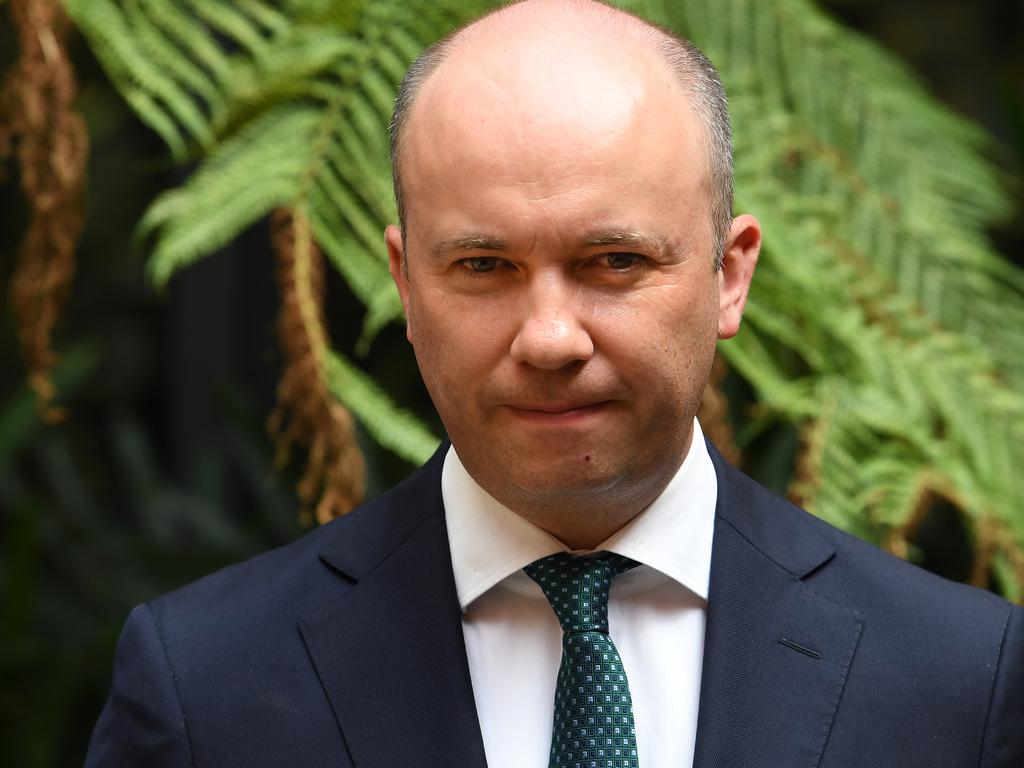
[776, 652]
[391, 657]
[389, 648]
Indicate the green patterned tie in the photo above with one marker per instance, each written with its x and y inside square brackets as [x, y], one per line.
[593, 725]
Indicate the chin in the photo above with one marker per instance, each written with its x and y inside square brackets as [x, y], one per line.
[582, 479]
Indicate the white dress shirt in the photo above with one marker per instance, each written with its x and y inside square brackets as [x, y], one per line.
[656, 614]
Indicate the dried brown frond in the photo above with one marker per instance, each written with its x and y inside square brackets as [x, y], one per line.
[993, 539]
[1015, 556]
[985, 542]
[806, 480]
[307, 415]
[931, 490]
[714, 413]
[807, 473]
[38, 124]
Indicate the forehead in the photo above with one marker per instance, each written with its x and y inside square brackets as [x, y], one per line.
[546, 83]
[551, 119]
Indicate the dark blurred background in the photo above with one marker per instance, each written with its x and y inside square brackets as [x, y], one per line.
[163, 471]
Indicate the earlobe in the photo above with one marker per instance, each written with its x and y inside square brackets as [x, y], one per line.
[740, 252]
[397, 267]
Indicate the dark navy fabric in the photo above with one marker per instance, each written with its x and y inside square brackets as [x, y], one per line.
[345, 649]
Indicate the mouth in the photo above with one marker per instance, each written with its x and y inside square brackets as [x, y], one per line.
[558, 413]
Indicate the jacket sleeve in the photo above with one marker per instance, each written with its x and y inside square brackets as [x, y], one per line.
[1003, 744]
[143, 723]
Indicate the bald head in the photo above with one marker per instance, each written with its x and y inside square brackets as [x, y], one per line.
[565, 67]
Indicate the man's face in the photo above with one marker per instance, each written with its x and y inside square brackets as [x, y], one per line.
[560, 292]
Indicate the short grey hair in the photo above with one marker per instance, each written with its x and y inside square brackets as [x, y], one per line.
[702, 83]
[418, 73]
[694, 72]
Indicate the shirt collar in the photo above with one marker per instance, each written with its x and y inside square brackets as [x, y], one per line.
[490, 542]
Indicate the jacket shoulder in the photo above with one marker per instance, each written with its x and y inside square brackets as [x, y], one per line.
[843, 566]
[935, 663]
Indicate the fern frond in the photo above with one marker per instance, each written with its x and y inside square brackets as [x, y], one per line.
[391, 426]
[259, 169]
[306, 414]
[40, 126]
[155, 77]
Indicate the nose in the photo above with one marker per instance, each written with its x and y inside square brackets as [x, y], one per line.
[551, 334]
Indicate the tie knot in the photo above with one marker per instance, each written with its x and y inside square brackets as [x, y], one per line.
[577, 587]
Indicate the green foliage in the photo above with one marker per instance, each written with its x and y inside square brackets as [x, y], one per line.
[393, 428]
[257, 169]
[882, 325]
[92, 524]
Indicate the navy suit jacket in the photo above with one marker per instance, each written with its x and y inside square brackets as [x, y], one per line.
[345, 649]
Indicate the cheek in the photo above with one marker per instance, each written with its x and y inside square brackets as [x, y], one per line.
[457, 341]
[662, 340]
[664, 318]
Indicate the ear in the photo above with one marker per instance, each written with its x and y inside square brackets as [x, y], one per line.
[396, 265]
[742, 246]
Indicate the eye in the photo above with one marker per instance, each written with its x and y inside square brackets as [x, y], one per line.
[622, 262]
[480, 264]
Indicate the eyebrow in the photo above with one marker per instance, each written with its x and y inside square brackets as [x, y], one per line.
[619, 237]
[627, 239]
[469, 243]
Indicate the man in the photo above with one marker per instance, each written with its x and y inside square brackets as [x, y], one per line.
[567, 260]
